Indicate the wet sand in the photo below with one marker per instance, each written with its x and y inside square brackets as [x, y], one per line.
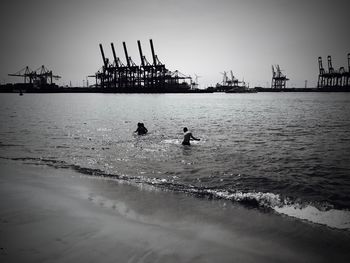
[59, 215]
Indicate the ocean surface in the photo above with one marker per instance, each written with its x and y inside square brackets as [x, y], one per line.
[287, 153]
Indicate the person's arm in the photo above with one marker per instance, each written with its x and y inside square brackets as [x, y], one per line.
[196, 139]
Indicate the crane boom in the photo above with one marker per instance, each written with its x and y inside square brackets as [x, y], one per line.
[103, 56]
[114, 56]
[141, 55]
[126, 55]
[153, 54]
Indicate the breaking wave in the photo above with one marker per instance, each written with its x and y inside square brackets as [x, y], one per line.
[315, 213]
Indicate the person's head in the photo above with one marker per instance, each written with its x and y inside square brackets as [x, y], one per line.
[185, 129]
[139, 124]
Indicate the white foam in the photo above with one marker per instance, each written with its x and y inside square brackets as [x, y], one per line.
[171, 141]
[178, 141]
[333, 218]
[263, 199]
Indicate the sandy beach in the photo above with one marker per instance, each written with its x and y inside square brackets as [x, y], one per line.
[59, 215]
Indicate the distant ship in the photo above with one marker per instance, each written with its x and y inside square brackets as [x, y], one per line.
[241, 89]
[233, 85]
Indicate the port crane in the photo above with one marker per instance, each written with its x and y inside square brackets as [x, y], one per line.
[149, 76]
[333, 78]
[39, 77]
[26, 73]
[279, 80]
[195, 84]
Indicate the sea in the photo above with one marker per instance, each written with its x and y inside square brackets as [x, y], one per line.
[283, 152]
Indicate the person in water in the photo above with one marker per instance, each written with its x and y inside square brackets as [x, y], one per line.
[187, 137]
[141, 129]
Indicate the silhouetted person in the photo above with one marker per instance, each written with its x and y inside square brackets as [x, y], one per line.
[187, 137]
[141, 129]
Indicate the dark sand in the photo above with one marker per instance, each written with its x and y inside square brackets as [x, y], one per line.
[58, 215]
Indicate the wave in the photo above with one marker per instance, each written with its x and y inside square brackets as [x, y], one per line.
[334, 218]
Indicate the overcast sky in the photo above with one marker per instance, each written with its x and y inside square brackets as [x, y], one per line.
[203, 37]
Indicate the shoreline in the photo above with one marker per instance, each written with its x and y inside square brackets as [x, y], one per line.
[59, 214]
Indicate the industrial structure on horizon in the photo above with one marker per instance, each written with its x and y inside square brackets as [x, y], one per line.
[153, 77]
[147, 77]
[232, 85]
[39, 78]
[279, 80]
[333, 79]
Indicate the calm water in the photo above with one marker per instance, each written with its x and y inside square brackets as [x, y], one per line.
[278, 150]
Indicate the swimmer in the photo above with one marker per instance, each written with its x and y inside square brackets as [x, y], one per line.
[187, 137]
[141, 129]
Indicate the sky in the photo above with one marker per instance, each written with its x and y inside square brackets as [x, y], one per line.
[202, 37]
